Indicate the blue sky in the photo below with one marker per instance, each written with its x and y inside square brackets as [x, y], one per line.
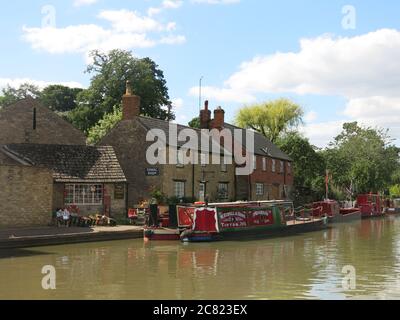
[338, 62]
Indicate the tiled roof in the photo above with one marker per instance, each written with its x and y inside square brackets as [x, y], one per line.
[72, 163]
[262, 146]
[151, 123]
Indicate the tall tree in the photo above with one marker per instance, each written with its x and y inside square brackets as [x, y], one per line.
[60, 98]
[362, 157]
[11, 95]
[108, 122]
[110, 73]
[308, 167]
[271, 118]
[195, 123]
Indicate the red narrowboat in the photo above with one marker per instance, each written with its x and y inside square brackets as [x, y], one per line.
[247, 222]
[370, 205]
[335, 214]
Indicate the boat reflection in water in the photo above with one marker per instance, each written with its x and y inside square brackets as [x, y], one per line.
[304, 266]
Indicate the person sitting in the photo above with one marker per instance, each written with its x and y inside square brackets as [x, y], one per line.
[66, 217]
[59, 217]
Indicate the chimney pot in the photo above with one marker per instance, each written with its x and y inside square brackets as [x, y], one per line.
[219, 118]
[130, 104]
[128, 88]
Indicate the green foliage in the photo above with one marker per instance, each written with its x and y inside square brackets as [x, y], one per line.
[108, 84]
[195, 123]
[97, 132]
[271, 118]
[160, 197]
[362, 157]
[308, 168]
[11, 95]
[60, 98]
[395, 191]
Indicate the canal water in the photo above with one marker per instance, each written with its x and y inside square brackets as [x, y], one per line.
[308, 266]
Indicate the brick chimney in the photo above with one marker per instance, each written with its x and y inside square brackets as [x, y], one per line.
[219, 119]
[205, 117]
[130, 104]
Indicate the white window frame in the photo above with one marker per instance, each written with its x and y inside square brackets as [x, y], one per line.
[273, 165]
[282, 167]
[255, 162]
[264, 164]
[179, 191]
[259, 189]
[80, 197]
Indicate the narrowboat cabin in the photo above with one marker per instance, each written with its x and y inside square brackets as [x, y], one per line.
[245, 222]
[331, 209]
[370, 205]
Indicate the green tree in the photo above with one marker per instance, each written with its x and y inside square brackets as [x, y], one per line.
[308, 168]
[108, 84]
[362, 157]
[271, 118]
[195, 123]
[11, 95]
[97, 132]
[60, 98]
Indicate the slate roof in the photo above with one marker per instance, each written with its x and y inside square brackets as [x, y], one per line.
[151, 123]
[262, 146]
[72, 163]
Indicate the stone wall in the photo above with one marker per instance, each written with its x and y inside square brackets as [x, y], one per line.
[25, 196]
[17, 126]
[129, 141]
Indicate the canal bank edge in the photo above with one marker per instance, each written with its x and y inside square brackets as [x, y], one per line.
[50, 237]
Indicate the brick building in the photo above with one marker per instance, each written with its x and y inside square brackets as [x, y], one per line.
[128, 137]
[45, 164]
[83, 176]
[27, 121]
[272, 178]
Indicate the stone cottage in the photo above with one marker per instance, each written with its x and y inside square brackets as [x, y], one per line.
[89, 178]
[27, 121]
[216, 182]
[45, 164]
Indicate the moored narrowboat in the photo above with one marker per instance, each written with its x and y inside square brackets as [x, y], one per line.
[370, 205]
[249, 221]
[335, 214]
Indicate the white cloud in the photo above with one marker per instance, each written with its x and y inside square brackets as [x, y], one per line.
[16, 82]
[177, 103]
[215, 1]
[130, 21]
[349, 67]
[320, 134]
[128, 30]
[311, 116]
[79, 3]
[363, 69]
[222, 95]
[166, 4]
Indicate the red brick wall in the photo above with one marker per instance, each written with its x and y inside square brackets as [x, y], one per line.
[269, 178]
